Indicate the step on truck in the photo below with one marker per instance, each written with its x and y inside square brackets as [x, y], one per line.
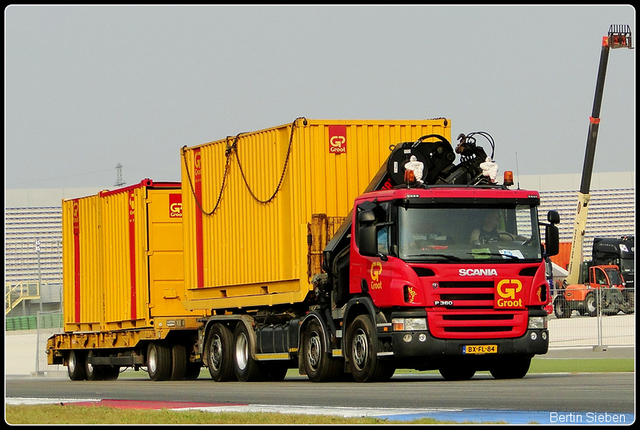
[350, 249]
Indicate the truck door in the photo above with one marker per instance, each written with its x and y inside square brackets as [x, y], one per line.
[370, 271]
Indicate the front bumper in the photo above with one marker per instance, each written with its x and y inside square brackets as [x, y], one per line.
[416, 344]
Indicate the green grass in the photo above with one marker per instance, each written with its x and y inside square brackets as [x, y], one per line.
[73, 414]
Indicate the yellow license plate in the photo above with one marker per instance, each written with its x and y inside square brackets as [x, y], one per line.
[480, 349]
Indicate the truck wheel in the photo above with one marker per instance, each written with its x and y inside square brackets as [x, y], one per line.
[591, 305]
[219, 353]
[629, 297]
[362, 350]
[178, 362]
[318, 364]
[512, 368]
[75, 366]
[94, 373]
[244, 366]
[274, 370]
[456, 372]
[561, 308]
[193, 371]
[158, 361]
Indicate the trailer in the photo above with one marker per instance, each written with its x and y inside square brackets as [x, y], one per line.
[123, 286]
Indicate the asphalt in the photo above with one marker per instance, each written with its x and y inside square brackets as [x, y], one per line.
[590, 352]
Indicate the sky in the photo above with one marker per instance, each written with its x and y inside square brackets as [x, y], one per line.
[91, 87]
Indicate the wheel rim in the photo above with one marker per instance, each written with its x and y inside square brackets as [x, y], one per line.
[72, 362]
[242, 351]
[152, 361]
[360, 349]
[313, 350]
[89, 365]
[591, 304]
[215, 352]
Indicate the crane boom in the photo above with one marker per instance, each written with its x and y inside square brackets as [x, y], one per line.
[619, 36]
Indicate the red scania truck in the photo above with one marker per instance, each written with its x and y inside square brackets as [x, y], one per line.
[344, 248]
[298, 267]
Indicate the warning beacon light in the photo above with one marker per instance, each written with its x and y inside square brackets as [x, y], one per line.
[508, 178]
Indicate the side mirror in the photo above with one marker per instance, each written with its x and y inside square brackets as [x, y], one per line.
[368, 241]
[552, 239]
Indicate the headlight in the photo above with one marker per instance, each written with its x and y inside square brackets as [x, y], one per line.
[537, 322]
[409, 324]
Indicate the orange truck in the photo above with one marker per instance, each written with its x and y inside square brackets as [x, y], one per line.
[342, 249]
[602, 290]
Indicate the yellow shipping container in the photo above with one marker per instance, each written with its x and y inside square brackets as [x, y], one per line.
[122, 258]
[251, 201]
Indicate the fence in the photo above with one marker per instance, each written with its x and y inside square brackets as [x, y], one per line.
[48, 324]
[593, 317]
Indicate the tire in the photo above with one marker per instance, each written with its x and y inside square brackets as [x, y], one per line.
[159, 361]
[512, 368]
[362, 350]
[629, 297]
[219, 353]
[456, 372]
[178, 362]
[193, 371]
[94, 373]
[590, 305]
[244, 366]
[110, 373]
[561, 308]
[76, 366]
[317, 361]
[274, 371]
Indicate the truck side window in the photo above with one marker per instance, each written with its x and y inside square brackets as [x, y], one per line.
[384, 232]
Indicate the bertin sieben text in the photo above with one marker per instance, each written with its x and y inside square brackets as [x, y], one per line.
[586, 418]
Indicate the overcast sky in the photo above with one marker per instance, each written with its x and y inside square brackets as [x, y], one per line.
[88, 87]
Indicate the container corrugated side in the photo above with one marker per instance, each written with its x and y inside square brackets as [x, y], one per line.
[81, 258]
[265, 186]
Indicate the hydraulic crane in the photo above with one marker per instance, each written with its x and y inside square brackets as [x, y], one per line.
[619, 36]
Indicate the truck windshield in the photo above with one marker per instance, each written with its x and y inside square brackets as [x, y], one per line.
[453, 234]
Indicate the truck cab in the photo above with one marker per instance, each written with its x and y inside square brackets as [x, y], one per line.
[445, 300]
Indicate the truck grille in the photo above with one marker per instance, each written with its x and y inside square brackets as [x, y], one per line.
[471, 314]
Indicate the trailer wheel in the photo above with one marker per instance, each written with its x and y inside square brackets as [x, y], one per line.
[318, 364]
[561, 308]
[591, 305]
[110, 373]
[158, 361]
[219, 353]
[511, 368]
[362, 350]
[245, 367]
[178, 362]
[94, 373]
[75, 365]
